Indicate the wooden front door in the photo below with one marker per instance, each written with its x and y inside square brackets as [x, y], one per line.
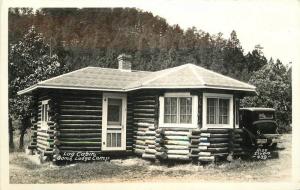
[114, 121]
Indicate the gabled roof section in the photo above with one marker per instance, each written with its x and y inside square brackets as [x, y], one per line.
[105, 79]
[189, 76]
[91, 78]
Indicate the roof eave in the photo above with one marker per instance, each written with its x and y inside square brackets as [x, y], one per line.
[36, 86]
[192, 87]
[27, 90]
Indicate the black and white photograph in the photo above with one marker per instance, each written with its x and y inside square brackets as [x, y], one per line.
[150, 92]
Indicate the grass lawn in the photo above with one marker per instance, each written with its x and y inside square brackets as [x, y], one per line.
[23, 170]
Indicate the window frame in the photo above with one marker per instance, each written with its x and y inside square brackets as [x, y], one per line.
[120, 112]
[106, 128]
[194, 98]
[204, 110]
[237, 112]
[44, 112]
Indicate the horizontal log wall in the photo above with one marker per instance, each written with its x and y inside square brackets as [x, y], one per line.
[79, 121]
[76, 119]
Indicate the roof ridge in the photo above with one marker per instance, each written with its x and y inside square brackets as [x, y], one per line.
[117, 69]
[191, 67]
[169, 70]
[219, 74]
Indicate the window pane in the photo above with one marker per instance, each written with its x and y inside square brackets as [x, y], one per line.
[44, 116]
[183, 119]
[189, 119]
[170, 110]
[174, 106]
[108, 140]
[113, 140]
[189, 106]
[167, 106]
[114, 111]
[118, 139]
[173, 118]
[167, 118]
[185, 110]
[212, 110]
[223, 111]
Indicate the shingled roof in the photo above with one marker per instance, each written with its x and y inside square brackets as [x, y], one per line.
[105, 79]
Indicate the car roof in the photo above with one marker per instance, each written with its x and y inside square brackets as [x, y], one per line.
[257, 109]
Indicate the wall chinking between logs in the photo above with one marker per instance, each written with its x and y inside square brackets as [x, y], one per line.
[79, 121]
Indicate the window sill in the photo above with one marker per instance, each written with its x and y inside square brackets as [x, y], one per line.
[170, 125]
[217, 126]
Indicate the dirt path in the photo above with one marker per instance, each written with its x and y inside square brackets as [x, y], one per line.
[23, 170]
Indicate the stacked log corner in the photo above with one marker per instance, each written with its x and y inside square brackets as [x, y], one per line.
[144, 107]
[219, 143]
[45, 136]
[33, 138]
[161, 153]
[194, 147]
[238, 149]
[54, 116]
[45, 139]
[148, 137]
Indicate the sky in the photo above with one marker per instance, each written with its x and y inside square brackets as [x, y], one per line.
[272, 24]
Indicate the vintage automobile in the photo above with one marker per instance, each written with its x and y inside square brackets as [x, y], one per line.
[260, 127]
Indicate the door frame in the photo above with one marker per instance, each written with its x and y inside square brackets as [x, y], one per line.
[105, 96]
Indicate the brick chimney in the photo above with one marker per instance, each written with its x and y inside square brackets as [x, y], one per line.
[124, 61]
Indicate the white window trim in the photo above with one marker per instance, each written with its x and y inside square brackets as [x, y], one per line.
[194, 123]
[44, 125]
[237, 112]
[104, 121]
[204, 110]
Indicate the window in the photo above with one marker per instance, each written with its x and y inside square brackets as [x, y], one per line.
[217, 110]
[265, 115]
[113, 139]
[178, 110]
[44, 114]
[45, 107]
[114, 111]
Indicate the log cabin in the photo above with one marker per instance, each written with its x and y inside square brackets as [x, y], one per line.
[181, 113]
